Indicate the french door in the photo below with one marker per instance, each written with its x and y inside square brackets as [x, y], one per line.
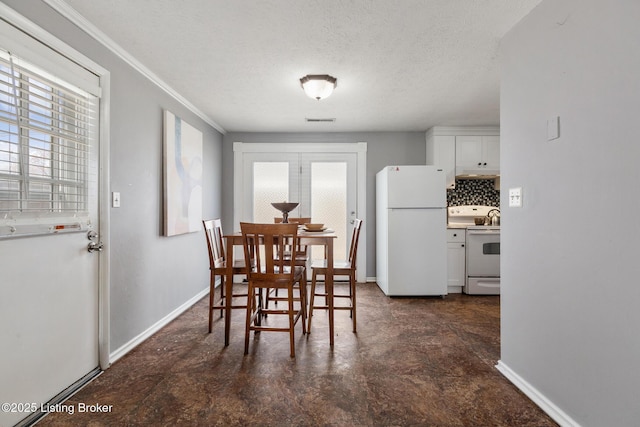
[325, 184]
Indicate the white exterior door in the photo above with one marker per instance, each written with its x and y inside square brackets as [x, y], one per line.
[49, 202]
[328, 193]
[48, 318]
[325, 184]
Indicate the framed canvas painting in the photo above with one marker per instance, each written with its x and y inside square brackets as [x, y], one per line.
[182, 176]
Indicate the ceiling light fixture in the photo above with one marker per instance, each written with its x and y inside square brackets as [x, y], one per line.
[318, 86]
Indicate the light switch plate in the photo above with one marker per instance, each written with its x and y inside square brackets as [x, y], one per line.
[115, 199]
[515, 197]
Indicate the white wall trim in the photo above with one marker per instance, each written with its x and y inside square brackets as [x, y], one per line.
[537, 397]
[104, 268]
[117, 354]
[81, 22]
[304, 147]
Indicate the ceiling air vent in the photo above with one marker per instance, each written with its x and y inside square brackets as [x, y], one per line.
[311, 120]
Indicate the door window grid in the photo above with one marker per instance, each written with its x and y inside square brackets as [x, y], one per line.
[45, 131]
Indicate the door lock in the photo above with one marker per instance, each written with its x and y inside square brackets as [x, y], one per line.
[95, 246]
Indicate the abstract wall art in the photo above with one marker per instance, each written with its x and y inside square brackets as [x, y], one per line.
[182, 176]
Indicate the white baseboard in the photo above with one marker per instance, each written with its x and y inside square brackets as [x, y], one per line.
[371, 280]
[538, 398]
[114, 356]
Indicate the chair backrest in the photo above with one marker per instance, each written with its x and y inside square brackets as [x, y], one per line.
[300, 249]
[264, 248]
[355, 236]
[215, 243]
[300, 220]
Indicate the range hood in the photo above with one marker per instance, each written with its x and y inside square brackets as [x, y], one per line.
[476, 174]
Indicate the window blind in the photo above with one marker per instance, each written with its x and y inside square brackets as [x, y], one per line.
[46, 129]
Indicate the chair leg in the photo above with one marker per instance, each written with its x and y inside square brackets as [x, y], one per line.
[251, 302]
[352, 291]
[303, 302]
[311, 299]
[258, 304]
[222, 285]
[292, 340]
[212, 286]
[275, 296]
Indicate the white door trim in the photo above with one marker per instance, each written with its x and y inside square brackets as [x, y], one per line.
[360, 148]
[104, 174]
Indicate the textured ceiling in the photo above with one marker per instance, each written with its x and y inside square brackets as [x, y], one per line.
[402, 65]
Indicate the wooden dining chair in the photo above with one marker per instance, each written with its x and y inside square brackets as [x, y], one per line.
[218, 267]
[264, 246]
[301, 254]
[340, 268]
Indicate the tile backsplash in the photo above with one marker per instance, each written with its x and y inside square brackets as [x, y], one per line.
[473, 192]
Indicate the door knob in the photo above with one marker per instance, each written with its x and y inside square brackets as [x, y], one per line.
[95, 246]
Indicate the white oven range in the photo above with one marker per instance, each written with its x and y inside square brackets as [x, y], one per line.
[482, 249]
[483, 260]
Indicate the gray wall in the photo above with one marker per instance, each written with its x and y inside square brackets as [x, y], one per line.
[383, 148]
[151, 275]
[570, 294]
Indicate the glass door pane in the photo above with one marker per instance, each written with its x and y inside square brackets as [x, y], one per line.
[269, 178]
[328, 189]
[270, 184]
[329, 203]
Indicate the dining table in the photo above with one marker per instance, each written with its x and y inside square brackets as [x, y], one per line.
[325, 238]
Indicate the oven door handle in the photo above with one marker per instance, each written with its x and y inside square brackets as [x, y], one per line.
[483, 232]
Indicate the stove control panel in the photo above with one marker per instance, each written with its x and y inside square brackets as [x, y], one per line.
[464, 215]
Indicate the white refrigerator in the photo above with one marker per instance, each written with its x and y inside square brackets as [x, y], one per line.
[411, 231]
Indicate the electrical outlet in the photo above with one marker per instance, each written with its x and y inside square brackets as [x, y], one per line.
[515, 197]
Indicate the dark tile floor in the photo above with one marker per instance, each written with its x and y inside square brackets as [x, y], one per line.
[413, 362]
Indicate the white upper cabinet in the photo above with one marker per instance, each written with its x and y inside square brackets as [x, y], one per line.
[464, 150]
[491, 152]
[477, 155]
[441, 152]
